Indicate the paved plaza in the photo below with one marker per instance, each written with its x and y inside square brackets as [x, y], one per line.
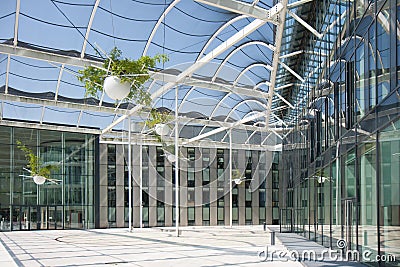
[196, 246]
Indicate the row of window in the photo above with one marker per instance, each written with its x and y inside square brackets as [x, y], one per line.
[191, 174]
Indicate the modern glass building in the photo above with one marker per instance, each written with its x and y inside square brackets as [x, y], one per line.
[284, 112]
[341, 161]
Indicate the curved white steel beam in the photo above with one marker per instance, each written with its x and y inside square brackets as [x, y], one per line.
[244, 102]
[223, 27]
[96, 4]
[251, 113]
[155, 28]
[240, 47]
[267, 83]
[226, 60]
[268, 67]
[233, 109]
[240, 35]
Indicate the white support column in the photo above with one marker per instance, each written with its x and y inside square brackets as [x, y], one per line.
[284, 100]
[292, 71]
[7, 73]
[59, 81]
[130, 173]
[1, 110]
[79, 119]
[305, 24]
[42, 114]
[230, 179]
[141, 185]
[176, 164]
[275, 59]
[16, 23]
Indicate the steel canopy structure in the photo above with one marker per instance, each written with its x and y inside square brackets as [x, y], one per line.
[234, 63]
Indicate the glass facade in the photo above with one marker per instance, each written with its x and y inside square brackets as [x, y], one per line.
[65, 203]
[341, 162]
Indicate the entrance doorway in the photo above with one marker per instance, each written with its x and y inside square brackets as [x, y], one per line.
[36, 217]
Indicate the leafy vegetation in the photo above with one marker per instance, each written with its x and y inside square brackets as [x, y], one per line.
[34, 164]
[157, 117]
[135, 72]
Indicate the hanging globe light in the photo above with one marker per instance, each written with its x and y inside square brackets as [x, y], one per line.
[115, 89]
[171, 158]
[162, 129]
[38, 179]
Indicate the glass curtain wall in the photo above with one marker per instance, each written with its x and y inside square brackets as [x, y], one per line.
[65, 202]
[342, 159]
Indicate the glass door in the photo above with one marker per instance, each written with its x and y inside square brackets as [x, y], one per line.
[51, 219]
[33, 218]
[15, 220]
[59, 217]
[25, 218]
[42, 220]
[348, 225]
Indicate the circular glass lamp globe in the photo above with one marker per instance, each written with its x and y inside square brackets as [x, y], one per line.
[161, 129]
[39, 179]
[115, 89]
[171, 158]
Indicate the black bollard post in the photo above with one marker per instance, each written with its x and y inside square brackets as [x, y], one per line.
[265, 226]
[272, 238]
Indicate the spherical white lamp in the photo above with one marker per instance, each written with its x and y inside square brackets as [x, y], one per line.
[161, 129]
[171, 158]
[38, 179]
[115, 89]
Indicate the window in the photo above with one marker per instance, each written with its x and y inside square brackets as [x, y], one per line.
[206, 175]
[206, 215]
[191, 217]
[111, 181]
[190, 177]
[190, 196]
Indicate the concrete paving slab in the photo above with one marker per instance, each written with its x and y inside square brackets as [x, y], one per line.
[197, 246]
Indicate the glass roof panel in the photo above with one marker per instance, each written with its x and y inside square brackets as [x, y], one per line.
[60, 27]
[7, 17]
[69, 84]
[40, 76]
[95, 119]
[21, 111]
[61, 116]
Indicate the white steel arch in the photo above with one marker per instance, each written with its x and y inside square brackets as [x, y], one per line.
[155, 28]
[85, 41]
[223, 27]
[267, 83]
[234, 108]
[244, 102]
[225, 60]
[234, 51]
[268, 67]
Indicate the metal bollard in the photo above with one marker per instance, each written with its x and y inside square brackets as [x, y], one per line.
[365, 238]
[272, 238]
[265, 226]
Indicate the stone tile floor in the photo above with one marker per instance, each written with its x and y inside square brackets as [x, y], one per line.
[196, 246]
